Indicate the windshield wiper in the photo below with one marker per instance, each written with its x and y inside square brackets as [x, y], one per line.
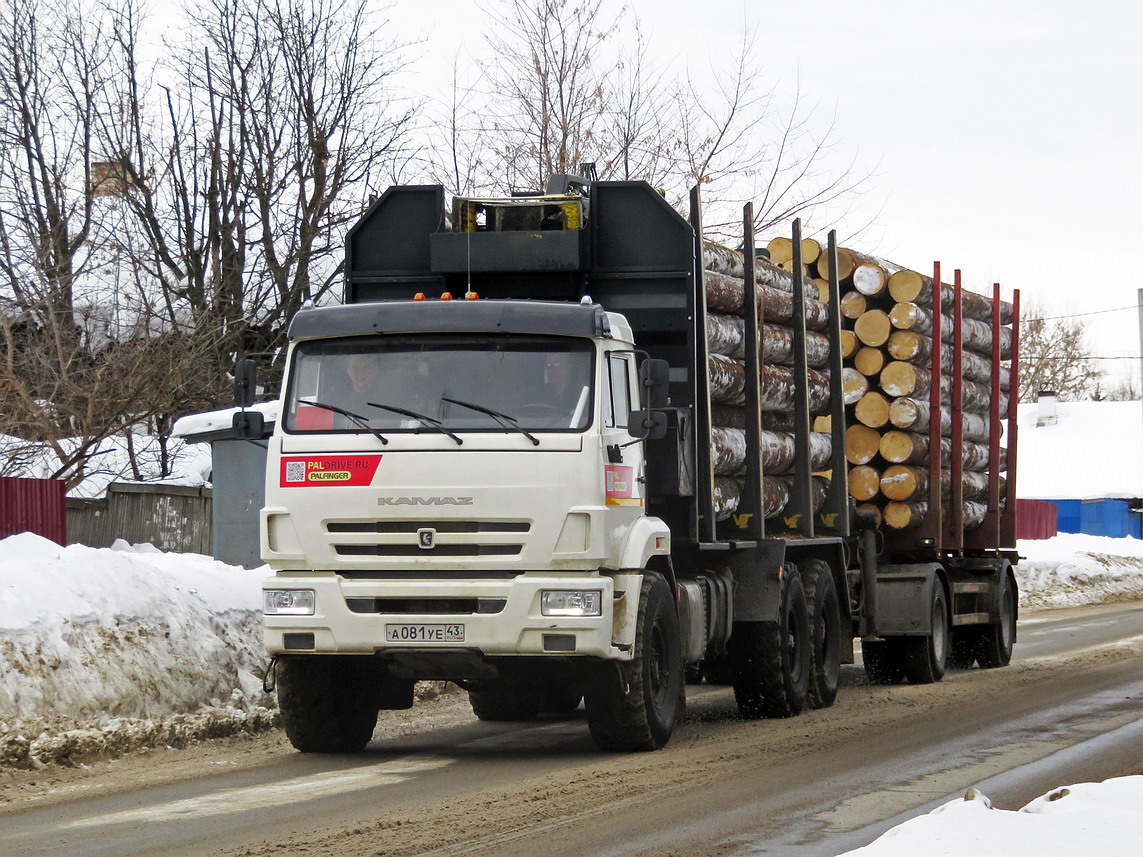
[426, 420]
[356, 419]
[504, 420]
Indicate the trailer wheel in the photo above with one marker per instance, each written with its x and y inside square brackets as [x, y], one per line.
[927, 657]
[328, 703]
[884, 660]
[996, 640]
[825, 632]
[632, 705]
[499, 702]
[772, 661]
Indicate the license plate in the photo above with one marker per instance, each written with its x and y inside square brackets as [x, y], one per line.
[424, 633]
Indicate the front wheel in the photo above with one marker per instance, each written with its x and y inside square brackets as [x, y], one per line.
[328, 703]
[632, 705]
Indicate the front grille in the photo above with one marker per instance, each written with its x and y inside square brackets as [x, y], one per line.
[442, 531]
[439, 526]
[439, 550]
[427, 606]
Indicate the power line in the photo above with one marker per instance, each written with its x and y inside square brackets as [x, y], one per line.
[1079, 314]
[1078, 358]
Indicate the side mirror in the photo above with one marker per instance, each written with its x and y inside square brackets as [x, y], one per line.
[245, 382]
[248, 425]
[647, 425]
[654, 381]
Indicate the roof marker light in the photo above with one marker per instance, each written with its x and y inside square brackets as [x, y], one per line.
[471, 296]
[446, 296]
[585, 300]
[419, 296]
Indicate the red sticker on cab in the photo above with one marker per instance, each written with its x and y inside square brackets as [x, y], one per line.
[618, 480]
[323, 470]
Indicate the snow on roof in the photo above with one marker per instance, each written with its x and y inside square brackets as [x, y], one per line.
[212, 421]
[1094, 451]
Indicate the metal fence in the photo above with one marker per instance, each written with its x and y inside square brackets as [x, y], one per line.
[171, 517]
[33, 506]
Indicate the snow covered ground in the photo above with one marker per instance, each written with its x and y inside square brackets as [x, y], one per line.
[105, 650]
[1090, 818]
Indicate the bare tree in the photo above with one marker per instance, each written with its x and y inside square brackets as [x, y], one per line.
[566, 85]
[282, 116]
[1054, 355]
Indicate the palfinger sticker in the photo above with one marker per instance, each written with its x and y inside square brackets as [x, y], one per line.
[326, 470]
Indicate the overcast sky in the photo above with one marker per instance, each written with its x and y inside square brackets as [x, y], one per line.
[1005, 133]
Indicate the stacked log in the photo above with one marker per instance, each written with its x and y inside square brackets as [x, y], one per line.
[726, 344]
[887, 318]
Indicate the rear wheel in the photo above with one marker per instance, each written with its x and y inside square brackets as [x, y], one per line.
[772, 661]
[329, 703]
[632, 705]
[926, 658]
[996, 640]
[825, 632]
[884, 660]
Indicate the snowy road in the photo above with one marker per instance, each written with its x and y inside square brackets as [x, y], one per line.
[1070, 709]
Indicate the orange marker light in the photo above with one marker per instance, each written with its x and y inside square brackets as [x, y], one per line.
[471, 296]
[446, 296]
[419, 296]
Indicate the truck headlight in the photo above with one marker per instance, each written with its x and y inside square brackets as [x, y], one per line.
[575, 602]
[288, 602]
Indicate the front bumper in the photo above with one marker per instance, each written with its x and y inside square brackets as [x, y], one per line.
[517, 628]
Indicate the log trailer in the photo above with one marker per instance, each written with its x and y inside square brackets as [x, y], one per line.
[527, 501]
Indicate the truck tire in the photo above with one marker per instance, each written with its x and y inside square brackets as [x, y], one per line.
[772, 661]
[927, 657]
[825, 632]
[328, 703]
[884, 660]
[501, 702]
[632, 705]
[996, 640]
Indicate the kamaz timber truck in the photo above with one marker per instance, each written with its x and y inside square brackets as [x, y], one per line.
[493, 465]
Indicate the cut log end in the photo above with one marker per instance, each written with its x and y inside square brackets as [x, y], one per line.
[869, 361]
[872, 410]
[873, 327]
[861, 444]
[864, 482]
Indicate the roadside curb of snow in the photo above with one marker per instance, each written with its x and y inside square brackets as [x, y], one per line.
[38, 742]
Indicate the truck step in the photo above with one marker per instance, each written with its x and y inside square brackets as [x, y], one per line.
[969, 619]
[971, 587]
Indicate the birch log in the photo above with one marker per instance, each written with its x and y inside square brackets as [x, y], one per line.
[778, 451]
[912, 287]
[777, 388]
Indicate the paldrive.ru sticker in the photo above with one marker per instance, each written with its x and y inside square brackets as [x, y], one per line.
[326, 470]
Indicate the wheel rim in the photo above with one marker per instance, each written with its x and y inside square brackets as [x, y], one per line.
[940, 631]
[1007, 620]
[795, 629]
[657, 666]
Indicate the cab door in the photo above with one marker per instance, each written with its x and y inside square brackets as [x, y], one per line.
[622, 459]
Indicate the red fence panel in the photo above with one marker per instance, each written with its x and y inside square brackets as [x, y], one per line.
[1036, 519]
[33, 505]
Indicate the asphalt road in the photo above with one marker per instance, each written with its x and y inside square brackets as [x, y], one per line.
[1069, 709]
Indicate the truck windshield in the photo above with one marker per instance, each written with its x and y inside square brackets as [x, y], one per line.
[460, 383]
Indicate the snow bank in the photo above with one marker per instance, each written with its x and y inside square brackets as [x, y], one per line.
[1091, 818]
[123, 646]
[1072, 569]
